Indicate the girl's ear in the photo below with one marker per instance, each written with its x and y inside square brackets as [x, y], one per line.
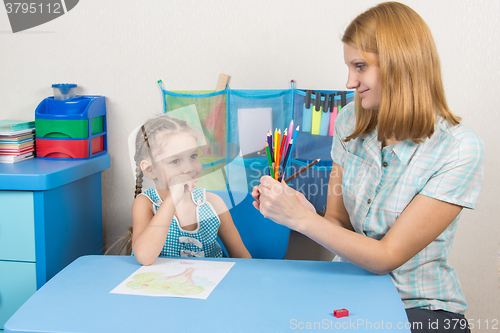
[147, 169]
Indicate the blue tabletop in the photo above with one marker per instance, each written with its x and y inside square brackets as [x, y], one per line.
[38, 174]
[255, 296]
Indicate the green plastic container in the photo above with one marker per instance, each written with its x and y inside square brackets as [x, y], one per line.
[74, 129]
[97, 125]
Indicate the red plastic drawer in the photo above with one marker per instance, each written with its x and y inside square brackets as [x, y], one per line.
[68, 148]
[97, 144]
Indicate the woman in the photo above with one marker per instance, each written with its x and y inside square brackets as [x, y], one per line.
[403, 169]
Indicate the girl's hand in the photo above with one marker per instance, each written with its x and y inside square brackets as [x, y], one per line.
[280, 203]
[179, 185]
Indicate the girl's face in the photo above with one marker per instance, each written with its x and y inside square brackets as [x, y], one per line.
[179, 156]
[364, 77]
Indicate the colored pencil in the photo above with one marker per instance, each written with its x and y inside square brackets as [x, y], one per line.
[295, 133]
[285, 160]
[290, 132]
[269, 160]
[277, 157]
[274, 143]
[282, 151]
[283, 144]
[270, 143]
[301, 171]
[278, 146]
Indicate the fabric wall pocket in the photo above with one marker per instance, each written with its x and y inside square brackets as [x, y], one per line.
[206, 113]
[241, 120]
[208, 107]
[251, 115]
[313, 183]
[315, 112]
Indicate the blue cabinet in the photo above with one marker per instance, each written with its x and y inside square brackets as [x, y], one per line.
[50, 214]
[17, 226]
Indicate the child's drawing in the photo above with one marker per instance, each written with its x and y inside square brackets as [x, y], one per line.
[159, 283]
[175, 278]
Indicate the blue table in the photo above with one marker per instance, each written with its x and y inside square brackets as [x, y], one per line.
[257, 295]
[38, 174]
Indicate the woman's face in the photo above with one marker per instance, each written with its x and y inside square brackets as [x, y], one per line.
[363, 76]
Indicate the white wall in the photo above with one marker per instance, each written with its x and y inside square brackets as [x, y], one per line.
[120, 48]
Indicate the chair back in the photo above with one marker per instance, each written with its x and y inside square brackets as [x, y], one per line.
[263, 238]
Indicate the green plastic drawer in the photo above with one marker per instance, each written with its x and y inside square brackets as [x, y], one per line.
[17, 284]
[72, 128]
[97, 125]
[17, 226]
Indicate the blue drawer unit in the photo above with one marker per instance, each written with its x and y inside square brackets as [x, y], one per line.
[50, 214]
[17, 226]
[17, 284]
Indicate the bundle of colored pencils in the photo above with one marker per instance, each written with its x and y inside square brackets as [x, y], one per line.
[278, 149]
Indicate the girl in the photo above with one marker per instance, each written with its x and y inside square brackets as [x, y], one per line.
[403, 169]
[177, 218]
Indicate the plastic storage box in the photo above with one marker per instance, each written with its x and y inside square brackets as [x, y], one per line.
[71, 128]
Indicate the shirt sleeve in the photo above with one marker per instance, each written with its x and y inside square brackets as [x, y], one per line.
[460, 179]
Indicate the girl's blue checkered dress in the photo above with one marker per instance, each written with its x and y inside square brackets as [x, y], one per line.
[201, 242]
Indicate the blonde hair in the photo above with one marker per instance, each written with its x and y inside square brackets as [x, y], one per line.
[125, 243]
[411, 84]
[148, 141]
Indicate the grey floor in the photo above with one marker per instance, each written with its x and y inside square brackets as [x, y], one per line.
[301, 247]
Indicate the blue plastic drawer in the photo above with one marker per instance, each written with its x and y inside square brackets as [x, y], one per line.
[17, 284]
[17, 226]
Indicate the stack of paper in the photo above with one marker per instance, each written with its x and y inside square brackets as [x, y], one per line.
[17, 140]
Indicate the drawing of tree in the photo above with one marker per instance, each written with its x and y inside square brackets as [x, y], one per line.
[159, 283]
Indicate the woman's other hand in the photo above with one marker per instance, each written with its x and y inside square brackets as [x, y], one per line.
[280, 203]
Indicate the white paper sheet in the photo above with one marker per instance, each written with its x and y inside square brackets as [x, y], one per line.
[253, 125]
[175, 278]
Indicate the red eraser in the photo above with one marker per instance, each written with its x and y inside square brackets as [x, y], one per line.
[341, 313]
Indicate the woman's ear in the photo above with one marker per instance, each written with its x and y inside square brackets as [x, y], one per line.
[147, 169]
